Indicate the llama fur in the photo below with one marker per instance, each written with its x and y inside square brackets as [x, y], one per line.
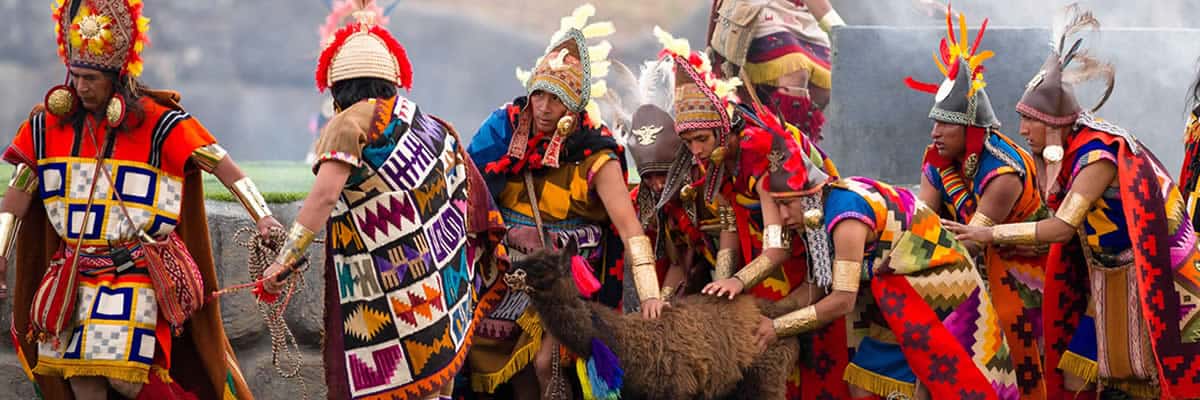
[702, 347]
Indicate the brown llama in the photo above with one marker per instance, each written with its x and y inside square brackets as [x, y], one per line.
[700, 348]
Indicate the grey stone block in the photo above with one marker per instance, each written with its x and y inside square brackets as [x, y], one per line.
[267, 383]
[12, 379]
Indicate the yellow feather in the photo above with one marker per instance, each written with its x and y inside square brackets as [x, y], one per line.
[978, 59]
[941, 67]
[579, 17]
[600, 51]
[599, 88]
[962, 29]
[593, 111]
[599, 29]
[523, 76]
[678, 46]
[600, 68]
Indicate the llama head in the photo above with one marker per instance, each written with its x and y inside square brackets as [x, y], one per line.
[540, 270]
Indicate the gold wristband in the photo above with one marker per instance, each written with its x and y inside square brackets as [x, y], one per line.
[981, 220]
[796, 322]
[295, 246]
[724, 267]
[755, 271]
[773, 237]
[645, 280]
[207, 157]
[251, 199]
[1022, 233]
[847, 275]
[641, 252]
[667, 292]
[830, 20]
[24, 179]
[1073, 209]
[9, 225]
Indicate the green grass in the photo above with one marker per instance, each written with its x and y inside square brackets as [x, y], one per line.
[280, 181]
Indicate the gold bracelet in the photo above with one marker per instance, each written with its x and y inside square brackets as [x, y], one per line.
[981, 220]
[1073, 209]
[847, 275]
[641, 252]
[755, 271]
[830, 20]
[773, 237]
[251, 199]
[724, 267]
[24, 179]
[1022, 233]
[645, 280]
[295, 246]
[9, 225]
[207, 157]
[796, 322]
[667, 291]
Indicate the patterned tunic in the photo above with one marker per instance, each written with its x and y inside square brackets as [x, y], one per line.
[926, 316]
[408, 292]
[118, 333]
[1014, 282]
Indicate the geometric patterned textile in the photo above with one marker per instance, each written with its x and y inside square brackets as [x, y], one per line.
[1015, 283]
[406, 281]
[1166, 262]
[930, 297]
[114, 335]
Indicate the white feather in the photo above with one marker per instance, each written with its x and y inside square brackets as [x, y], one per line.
[656, 83]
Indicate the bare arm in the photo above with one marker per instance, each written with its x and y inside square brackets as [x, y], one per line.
[849, 237]
[930, 195]
[313, 215]
[214, 160]
[1088, 185]
[12, 208]
[770, 212]
[997, 201]
[610, 187]
[818, 8]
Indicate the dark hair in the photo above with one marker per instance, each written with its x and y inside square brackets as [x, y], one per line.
[351, 91]
[1195, 96]
[131, 90]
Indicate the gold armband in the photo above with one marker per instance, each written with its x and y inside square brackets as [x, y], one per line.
[1022, 233]
[641, 256]
[24, 179]
[724, 267]
[1073, 209]
[847, 275]
[773, 237]
[796, 322]
[982, 220]
[830, 20]
[207, 157]
[295, 246]
[727, 219]
[755, 271]
[9, 224]
[251, 199]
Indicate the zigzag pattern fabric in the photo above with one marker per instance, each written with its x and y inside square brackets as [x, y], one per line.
[408, 290]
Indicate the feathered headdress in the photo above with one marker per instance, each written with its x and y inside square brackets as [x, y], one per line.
[701, 100]
[364, 49]
[341, 10]
[1049, 95]
[107, 35]
[572, 70]
[961, 98]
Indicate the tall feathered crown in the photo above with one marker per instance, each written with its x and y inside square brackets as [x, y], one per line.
[569, 68]
[107, 35]
[961, 98]
[341, 13]
[363, 49]
[638, 106]
[1049, 95]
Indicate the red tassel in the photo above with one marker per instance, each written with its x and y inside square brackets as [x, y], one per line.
[920, 86]
[263, 295]
[585, 278]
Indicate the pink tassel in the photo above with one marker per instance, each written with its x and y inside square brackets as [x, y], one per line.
[585, 280]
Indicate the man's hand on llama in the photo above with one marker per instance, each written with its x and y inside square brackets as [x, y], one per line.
[764, 335]
[726, 287]
[652, 308]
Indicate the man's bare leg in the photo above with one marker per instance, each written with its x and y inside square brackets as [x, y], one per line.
[126, 388]
[89, 387]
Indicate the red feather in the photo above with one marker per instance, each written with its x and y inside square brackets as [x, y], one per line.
[950, 23]
[944, 52]
[921, 86]
[979, 36]
[953, 69]
[404, 76]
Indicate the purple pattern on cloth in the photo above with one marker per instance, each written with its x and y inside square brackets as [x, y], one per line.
[961, 322]
[851, 215]
[386, 361]
[1006, 392]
